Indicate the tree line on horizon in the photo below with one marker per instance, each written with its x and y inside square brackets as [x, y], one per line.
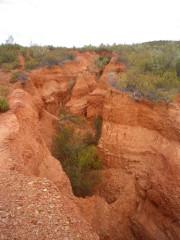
[152, 68]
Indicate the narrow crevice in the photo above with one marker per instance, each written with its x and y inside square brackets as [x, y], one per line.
[75, 146]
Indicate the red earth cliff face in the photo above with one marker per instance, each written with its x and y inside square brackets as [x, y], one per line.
[141, 152]
[36, 201]
[140, 181]
[139, 195]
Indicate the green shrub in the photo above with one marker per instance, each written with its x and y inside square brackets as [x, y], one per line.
[84, 175]
[152, 71]
[93, 139]
[66, 116]
[4, 106]
[98, 128]
[49, 56]
[31, 64]
[56, 57]
[50, 59]
[9, 56]
[79, 160]
[150, 86]
[14, 77]
[90, 139]
[69, 57]
[102, 61]
[9, 66]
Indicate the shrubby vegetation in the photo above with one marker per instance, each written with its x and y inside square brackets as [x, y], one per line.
[9, 56]
[99, 49]
[4, 106]
[102, 61]
[66, 117]
[98, 128]
[150, 86]
[78, 154]
[153, 70]
[79, 160]
[94, 139]
[35, 56]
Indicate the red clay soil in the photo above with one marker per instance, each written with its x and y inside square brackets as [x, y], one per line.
[139, 195]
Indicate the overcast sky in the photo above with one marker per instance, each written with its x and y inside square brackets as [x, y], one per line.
[81, 22]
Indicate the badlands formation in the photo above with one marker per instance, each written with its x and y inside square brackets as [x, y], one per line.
[138, 197]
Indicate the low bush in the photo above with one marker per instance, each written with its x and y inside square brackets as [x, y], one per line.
[31, 64]
[79, 160]
[152, 87]
[90, 139]
[66, 116]
[98, 128]
[14, 77]
[9, 66]
[4, 106]
[9, 56]
[37, 56]
[93, 139]
[55, 57]
[102, 61]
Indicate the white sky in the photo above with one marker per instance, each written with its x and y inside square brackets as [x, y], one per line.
[79, 22]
